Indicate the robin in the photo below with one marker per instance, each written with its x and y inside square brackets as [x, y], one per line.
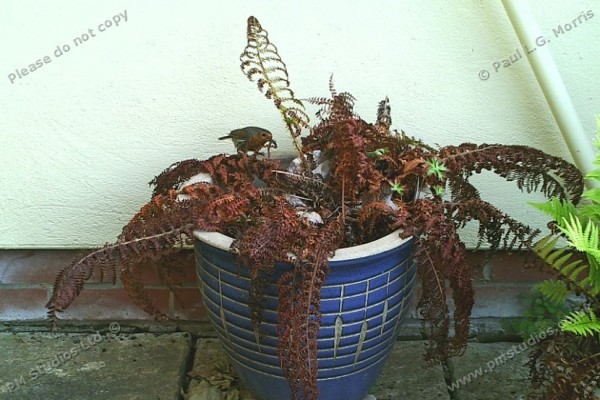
[250, 138]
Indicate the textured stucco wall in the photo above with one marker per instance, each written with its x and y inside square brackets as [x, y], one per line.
[82, 135]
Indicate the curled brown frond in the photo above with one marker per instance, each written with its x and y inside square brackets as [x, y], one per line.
[441, 258]
[261, 63]
[300, 310]
[70, 280]
[531, 169]
[174, 175]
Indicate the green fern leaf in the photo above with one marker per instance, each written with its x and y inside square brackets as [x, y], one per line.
[594, 273]
[590, 211]
[556, 209]
[554, 291]
[558, 257]
[581, 323]
[595, 175]
[545, 246]
[582, 239]
[574, 269]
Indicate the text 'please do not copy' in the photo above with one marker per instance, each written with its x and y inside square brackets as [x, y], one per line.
[104, 26]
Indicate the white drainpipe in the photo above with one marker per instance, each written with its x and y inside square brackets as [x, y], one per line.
[579, 143]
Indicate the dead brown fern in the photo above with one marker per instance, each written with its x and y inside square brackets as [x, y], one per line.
[370, 181]
[565, 366]
[299, 309]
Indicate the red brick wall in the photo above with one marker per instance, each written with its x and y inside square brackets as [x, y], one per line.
[502, 285]
[26, 278]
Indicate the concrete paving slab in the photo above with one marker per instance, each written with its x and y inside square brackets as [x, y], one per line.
[405, 376]
[97, 366]
[490, 371]
[105, 365]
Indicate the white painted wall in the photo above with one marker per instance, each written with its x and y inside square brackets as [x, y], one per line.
[82, 135]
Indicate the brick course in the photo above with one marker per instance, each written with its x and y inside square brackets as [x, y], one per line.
[26, 278]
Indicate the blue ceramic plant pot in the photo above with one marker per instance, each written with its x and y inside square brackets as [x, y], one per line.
[364, 299]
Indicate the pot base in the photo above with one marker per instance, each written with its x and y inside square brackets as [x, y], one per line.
[363, 302]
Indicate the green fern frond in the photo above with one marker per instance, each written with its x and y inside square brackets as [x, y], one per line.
[554, 291]
[585, 239]
[582, 239]
[562, 259]
[581, 323]
[578, 275]
[594, 275]
[594, 174]
[556, 208]
[574, 269]
[590, 211]
[545, 249]
[558, 257]
[594, 194]
[545, 246]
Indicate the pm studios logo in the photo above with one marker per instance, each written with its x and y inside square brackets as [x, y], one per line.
[56, 360]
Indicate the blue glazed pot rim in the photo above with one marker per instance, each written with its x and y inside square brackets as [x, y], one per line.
[388, 242]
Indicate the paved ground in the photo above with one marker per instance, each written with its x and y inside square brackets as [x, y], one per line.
[116, 365]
